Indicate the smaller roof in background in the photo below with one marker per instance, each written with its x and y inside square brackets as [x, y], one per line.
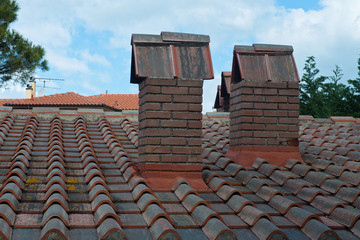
[69, 98]
[120, 101]
[112, 101]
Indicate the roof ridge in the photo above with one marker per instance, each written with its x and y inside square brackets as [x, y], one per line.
[87, 99]
[107, 94]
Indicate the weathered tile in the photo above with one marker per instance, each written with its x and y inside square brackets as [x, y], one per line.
[215, 229]
[28, 221]
[83, 233]
[132, 220]
[264, 229]
[136, 234]
[233, 221]
[81, 221]
[315, 229]
[183, 221]
[163, 229]
[192, 233]
[244, 234]
[26, 234]
[166, 197]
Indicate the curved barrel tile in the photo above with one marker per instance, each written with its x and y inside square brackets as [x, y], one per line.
[54, 229]
[5, 230]
[110, 229]
[162, 230]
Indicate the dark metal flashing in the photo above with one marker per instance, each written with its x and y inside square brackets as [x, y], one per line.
[169, 37]
[184, 37]
[170, 55]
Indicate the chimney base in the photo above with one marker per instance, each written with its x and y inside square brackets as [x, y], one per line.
[279, 156]
[162, 177]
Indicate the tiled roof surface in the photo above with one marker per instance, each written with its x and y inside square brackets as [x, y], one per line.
[116, 101]
[3, 101]
[75, 179]
[120, 101]
[61, 99]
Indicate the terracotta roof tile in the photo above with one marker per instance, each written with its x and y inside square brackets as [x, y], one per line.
[7, 214]
[109, 228]
[69, 98]
[317, 230]
[215, 229]
[162, 229]
[115, 101]
[79, 177]
[119, 101]
[56, 228]
[264, 229]
[55, 211]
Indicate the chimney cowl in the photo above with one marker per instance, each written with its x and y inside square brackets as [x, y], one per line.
[171, 55]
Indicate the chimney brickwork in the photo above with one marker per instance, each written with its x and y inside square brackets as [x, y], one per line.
[170, 69]
[170, 121]
[264, 104]
[264, 114]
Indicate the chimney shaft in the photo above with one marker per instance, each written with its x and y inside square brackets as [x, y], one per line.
[170, 69]
[264, 104]
[33, 85]
[29, 92]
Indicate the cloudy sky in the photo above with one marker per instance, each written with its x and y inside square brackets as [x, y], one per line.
[87, 42]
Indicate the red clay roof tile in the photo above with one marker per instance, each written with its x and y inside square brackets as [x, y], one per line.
[119, 101]
[114, 101]
[278, 195]
[111, 229]
[265, 229]
[162, 229]
[56, 228]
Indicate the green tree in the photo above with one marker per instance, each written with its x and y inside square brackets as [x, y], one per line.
[354, 95]
[311, 94]
[336, 95]
[19, 58]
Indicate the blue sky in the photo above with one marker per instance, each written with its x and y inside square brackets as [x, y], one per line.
[88, 41]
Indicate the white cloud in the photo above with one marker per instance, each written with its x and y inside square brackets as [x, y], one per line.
[331, 33]
[48, 23]
[47, 34]
[91, 88]
[12, 91]
[94, 58]
[67, 64]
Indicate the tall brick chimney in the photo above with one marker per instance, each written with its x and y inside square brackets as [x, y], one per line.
[264, 104]
[170, 69]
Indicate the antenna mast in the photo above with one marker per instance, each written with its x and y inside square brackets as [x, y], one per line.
[44, 80]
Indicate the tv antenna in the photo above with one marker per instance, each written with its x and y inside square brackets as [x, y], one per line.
[44, 80]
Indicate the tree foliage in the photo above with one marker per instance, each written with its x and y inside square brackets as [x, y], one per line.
[324, 96]
[19, 58]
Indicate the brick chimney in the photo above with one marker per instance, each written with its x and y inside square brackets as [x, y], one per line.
[29, 92]
[170, 69]
[264, 105]
[222, 100]
[32, 82]
[225, 90]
